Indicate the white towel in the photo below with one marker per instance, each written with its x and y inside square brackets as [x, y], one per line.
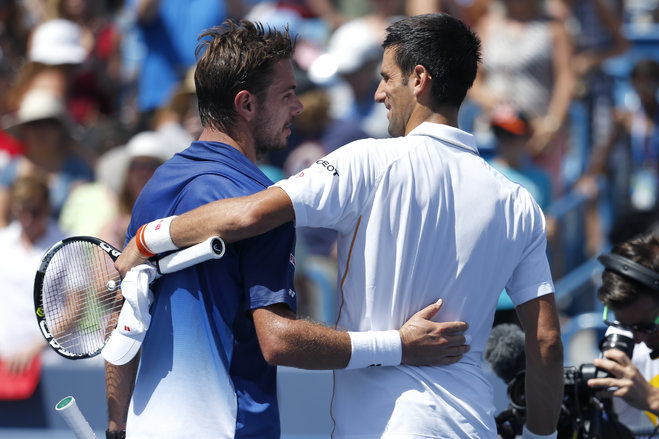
[135, 318]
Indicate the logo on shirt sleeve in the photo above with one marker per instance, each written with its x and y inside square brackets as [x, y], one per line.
[327, 165]
[291, 259]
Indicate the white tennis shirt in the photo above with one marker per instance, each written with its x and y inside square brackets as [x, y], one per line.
[421, 217]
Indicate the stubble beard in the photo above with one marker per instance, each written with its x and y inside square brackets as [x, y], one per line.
[264, 144]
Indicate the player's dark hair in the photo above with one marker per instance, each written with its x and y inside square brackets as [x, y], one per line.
[233, 57]
[619, 291]
[442, 44]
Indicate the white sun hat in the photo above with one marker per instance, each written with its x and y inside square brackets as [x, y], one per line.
[57, 42]
[37, 104]
[148, 144]
[350, 47]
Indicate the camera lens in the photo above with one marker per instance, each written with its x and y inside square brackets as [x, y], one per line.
[618, 341]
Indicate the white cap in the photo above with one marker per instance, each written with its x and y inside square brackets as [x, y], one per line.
[121, 348]
[56, 42]
[126, 339]
[148, 144]
[38, 104]
[134, 318]
[351, 46]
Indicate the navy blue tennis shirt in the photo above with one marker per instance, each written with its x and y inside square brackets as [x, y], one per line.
[201, 371]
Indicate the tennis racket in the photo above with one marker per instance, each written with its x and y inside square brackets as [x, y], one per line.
[77, 290]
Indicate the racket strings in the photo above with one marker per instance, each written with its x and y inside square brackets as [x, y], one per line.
[81, 297]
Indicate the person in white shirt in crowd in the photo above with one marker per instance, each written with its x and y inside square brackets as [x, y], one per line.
[23, 242]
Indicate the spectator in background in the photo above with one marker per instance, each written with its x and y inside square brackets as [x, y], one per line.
[96, 85]
[169, 30]
[13, 44]
[324, 10]
[512, 131]
[9, 148]
[102, 207]
[63, 58]
[55, 52]
[178, 121]
[469, 11]
[23, 243]
[145, 153]
[43, 125]
[526, 64]
[629, 160]
[353, 57]
[595, 27]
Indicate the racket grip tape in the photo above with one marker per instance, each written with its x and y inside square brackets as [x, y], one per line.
[68, 409]
[212, 248]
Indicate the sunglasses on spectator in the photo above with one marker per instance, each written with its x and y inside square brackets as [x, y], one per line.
[641, 328]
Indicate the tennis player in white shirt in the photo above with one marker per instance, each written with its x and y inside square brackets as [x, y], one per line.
[418, 214]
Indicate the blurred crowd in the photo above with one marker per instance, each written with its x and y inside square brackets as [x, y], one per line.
[95, 95]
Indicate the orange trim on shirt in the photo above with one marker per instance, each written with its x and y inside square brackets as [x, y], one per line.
[345, 274]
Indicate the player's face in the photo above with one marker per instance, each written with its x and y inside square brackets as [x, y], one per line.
[277, 110]
[394, 91]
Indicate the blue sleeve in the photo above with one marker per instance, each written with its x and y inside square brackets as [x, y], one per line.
[268, 264]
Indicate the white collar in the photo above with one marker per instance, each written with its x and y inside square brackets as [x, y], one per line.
[447, 133]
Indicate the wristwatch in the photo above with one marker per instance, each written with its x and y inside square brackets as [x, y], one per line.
[115, 434]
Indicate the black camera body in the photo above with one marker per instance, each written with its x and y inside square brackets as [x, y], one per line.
[581, 413]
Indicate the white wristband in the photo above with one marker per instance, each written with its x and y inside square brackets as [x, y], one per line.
[156, 236]
[526, 434]
[375, 348]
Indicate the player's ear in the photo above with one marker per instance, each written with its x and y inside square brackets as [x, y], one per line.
[420, 79]
[245, 104]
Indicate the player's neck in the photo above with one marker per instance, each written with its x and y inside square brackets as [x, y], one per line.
[213, 135]
[425, 115]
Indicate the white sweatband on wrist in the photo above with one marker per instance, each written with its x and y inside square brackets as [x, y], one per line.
[526, 434]
[156, 236]
[375, 348]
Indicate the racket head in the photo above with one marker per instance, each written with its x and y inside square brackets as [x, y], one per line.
[77, 296]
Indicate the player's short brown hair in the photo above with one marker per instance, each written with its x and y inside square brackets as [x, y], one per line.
[233, 57]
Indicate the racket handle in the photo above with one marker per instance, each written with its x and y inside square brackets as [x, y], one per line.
[69, 410]
[212, 248]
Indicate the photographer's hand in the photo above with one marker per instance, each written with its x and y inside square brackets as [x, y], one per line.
[627, 382]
